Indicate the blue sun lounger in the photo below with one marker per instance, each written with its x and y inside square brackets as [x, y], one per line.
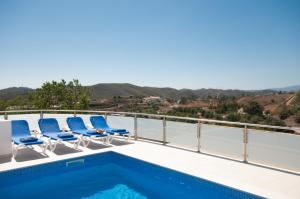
[77, 126]
[99, 122]
[22, 138]
[49, 128]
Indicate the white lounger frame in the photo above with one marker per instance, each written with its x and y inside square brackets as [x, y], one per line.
[53, 143]
[126, 136]
[16, 147]
[86, 140]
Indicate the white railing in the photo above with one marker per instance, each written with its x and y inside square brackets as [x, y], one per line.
[220, 138]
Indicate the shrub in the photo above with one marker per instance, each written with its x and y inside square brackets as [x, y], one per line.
[234, 117]
[274, 121]
[267, 112]
[208, 114]
[226, 107]
[297, 118]
[255, 119]
[298, 96]
[284, 113]
[254, 108]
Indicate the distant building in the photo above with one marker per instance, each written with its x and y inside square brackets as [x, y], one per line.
[241, 111]
[152, 99]
[16, 107]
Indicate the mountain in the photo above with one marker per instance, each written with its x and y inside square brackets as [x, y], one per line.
[109, 90]
[12, 92]
[104, 90]
[293, 88]
[115, 89]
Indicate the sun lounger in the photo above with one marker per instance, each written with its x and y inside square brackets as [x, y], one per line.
[49, 128]
[99, 122]
[77, 126]
[22, 137]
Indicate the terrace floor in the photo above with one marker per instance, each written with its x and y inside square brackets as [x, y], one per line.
[262, 181]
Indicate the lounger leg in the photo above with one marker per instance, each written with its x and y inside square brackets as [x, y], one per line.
[49, 144]
[88, 142]
[110, 137]
[44, 148]
[81, 138]
[128, 137]
[76, 144]
[107, 139]
[54, 146]
[14, 150]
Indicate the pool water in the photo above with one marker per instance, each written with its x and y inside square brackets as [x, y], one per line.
[107, 176]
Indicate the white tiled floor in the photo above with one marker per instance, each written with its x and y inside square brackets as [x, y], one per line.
[254, 179]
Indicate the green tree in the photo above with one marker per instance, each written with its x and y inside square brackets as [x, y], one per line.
[234, 117]
[61, 95]
[3, 105]
[183, 100]
[284, 113]
[273, 121]
[254, 108]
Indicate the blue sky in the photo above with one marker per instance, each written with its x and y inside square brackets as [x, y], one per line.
[183, 44]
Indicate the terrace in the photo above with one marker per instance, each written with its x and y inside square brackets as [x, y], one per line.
[259, 159]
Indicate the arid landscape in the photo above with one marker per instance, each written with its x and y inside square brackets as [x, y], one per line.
[270, 106]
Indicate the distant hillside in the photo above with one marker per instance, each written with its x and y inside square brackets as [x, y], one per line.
[288, 88]
[100, 91]
[109, 90]
[10, 93]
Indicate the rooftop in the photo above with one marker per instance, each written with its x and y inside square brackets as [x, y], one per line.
[255, 179]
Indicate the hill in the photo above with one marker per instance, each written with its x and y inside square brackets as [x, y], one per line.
[269, 102]
[101, 91]
[12, 92]
[109, 90]
[293, 88]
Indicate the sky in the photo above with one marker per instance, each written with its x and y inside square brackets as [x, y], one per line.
[232, 44]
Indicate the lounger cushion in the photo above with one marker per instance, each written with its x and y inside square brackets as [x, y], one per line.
[65, 135]
[54, 136]
[28, 139]
[17, 141]
[99, 122]
[120, 131]
[90, 133]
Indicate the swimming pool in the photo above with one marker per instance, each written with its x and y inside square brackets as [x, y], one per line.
[108, 175]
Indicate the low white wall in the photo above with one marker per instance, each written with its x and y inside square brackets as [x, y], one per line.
[5, 139]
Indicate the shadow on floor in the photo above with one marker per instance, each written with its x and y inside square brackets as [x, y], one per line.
[62, 149]
[5, 159]
[118, 142]
[28, 154]
[95, 146]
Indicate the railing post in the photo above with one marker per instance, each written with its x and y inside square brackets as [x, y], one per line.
[135, 128]
[105, 116]
[199, 137]
[164, 131]
[41, 115]
[74, 113]
[245, 141]
[5, 116]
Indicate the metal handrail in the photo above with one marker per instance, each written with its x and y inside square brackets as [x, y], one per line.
[163, 118]
[156, 116]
